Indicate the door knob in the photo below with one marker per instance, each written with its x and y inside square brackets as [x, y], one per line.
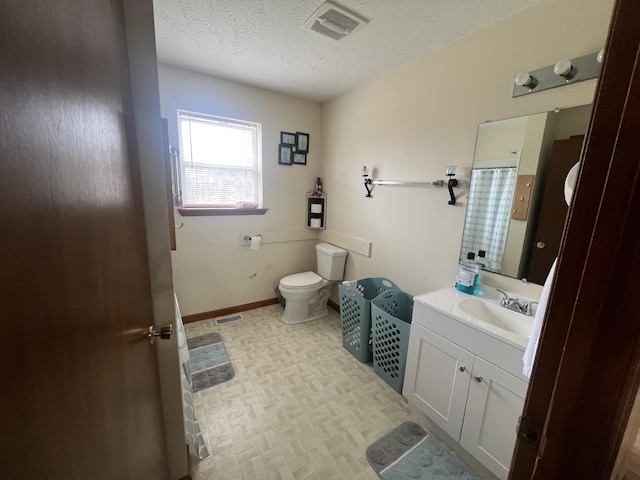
[164, 333]
[541, 245]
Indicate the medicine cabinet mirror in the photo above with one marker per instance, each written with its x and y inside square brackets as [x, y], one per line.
[516, 208]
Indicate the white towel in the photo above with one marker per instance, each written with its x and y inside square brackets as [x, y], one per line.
[532, 346]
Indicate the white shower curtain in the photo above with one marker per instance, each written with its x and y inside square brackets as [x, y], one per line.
[488, 213]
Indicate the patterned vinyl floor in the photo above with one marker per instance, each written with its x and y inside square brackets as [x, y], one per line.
[299, 406]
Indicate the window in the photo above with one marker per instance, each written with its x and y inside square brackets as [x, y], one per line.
[220, 161]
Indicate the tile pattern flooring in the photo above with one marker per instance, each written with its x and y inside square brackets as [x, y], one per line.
[299, 407]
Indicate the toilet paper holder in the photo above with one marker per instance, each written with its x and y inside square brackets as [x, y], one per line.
[247, 238]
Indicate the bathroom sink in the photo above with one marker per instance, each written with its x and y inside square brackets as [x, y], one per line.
[481, 312]
[497, 316]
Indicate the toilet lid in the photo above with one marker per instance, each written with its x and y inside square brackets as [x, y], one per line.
[299, 280]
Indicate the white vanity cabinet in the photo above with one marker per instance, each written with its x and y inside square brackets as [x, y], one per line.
[468, 382]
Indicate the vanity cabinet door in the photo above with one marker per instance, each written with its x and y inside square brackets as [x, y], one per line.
[494, 405]
[438, 380]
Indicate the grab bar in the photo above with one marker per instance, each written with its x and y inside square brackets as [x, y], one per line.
[176, 191]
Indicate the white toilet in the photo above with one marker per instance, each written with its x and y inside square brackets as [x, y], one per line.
[306, 293]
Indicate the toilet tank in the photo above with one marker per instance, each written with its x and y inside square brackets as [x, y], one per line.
[331, 260]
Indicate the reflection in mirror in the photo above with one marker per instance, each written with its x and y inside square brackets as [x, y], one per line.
[516, 209]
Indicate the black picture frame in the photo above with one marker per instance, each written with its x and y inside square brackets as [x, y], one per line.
[302, 142]
[288, 138]
[285, 154]
[299, 158]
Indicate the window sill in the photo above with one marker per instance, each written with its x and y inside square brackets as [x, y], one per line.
[211, 212]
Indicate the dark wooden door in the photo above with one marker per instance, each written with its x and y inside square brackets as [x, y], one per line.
[80, 393]
[587, 370]
[553, 209]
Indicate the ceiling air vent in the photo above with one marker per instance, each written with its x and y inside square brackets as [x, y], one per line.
[334, 21]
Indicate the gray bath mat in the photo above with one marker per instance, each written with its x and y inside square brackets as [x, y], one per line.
[209, 361]
[408, 453]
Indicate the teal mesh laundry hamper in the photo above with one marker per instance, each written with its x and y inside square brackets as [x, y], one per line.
[391, 324]
[355, 313]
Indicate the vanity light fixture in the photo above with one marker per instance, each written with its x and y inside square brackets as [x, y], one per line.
[564, 72]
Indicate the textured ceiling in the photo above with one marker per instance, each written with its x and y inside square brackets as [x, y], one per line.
[263, 42]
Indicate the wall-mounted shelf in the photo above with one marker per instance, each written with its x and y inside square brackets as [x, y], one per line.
[316, 210]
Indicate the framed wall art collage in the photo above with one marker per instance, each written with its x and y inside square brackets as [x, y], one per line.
[293, 148]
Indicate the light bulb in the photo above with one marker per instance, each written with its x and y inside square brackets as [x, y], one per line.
[524, 79]
[600, 56]
[564, 68]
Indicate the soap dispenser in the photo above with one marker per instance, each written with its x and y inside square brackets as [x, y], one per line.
[468, 273]
[481, 258]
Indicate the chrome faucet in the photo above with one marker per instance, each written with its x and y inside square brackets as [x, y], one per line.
[515, 304]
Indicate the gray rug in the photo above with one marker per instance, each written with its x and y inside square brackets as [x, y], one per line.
[408, 453]
[209, 361]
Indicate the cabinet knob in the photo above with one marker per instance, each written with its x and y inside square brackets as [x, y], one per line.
[478, 378]
[462, 368]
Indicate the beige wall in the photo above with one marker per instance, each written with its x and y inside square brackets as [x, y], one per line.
[211, 270]
[410, 123]
[407, 124]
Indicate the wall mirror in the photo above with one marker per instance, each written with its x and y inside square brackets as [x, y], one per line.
[516, 208]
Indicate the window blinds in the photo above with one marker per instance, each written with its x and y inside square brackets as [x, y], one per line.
[220, 160]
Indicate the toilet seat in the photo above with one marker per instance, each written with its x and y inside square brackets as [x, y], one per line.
[299, 281]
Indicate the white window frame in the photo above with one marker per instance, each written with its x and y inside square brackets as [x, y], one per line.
[186, 160]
